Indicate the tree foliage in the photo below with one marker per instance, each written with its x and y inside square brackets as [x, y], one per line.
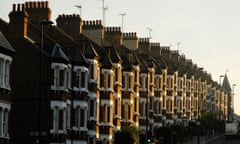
[127, 135]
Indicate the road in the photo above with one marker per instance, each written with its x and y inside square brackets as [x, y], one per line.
[222, 140]
[216, 140]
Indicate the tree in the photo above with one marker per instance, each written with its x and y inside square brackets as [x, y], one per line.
[127, 135]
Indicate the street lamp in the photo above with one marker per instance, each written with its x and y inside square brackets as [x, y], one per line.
[198, 132]
[43, 23]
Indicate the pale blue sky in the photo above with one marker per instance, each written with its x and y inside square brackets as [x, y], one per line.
[209, 30]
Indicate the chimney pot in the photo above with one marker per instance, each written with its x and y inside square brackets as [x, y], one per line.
[46, 4]
[18, 7]
[42, 4]
[34, 4]
[14, 8]
[31, 4]
[23, 7]
[39, 4]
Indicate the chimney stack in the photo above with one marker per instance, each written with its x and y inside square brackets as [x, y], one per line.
[155, 49]
[38, 11]
[144, 44]
[94, 30]
[113, 35]
[71, 24]
[130, 40]
[18, 20]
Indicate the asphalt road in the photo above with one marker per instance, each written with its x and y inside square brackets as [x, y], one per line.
[222, 140]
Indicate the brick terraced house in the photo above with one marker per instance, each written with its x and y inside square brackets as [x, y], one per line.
[6, 58]
[79, 81]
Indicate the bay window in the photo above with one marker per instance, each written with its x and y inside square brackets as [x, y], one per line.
[56, 119]
[81, 76]
[80, 117]
[5, 72]
[1, 72]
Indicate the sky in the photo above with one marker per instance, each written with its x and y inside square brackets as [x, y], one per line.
[206, 31]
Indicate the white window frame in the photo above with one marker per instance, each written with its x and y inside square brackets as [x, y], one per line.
[94, 116]
[57, 67]
[5, 62]
[108, 78]
[6, 74]
[1, 121]
[180, 83]
[56, 119]
[79, 70]
[57, 76]
[5, 122]
[93, 67]
[1, 71]
[68, 116]
[78, 110]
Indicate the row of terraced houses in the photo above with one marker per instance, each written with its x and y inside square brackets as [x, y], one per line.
[79, 81]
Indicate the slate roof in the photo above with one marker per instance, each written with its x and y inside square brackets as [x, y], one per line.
[144, 68]
[76, 56]
[89, 51]
[226, 84]
[5, 44]
[106, 61]
[114, 55]
[127, 66]
[55, 52]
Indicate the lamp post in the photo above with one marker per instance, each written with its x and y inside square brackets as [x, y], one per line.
[147, 105]
[43, 23]
[198, 132]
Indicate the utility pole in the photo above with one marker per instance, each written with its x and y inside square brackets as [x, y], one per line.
[103, 12]
[122, 14]
[178, 46]
[149, 32]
